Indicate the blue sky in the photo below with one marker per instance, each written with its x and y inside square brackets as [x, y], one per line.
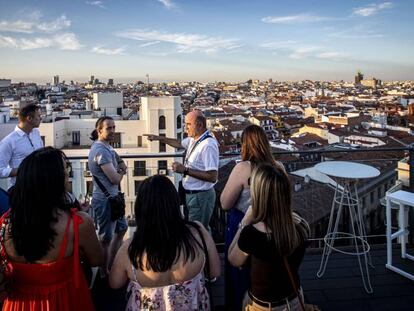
[211, 40]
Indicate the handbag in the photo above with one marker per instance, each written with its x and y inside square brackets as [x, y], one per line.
[304, 306]
[116, 203]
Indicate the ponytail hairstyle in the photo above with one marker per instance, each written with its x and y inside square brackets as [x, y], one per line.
[98, 125]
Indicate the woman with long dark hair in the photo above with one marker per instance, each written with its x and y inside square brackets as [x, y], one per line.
[43, 238]
[274, 238]
[164, 261]
[235, 198]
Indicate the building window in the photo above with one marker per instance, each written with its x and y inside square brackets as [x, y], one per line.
[162, 167]
[116, 143]
[163, 146]
[70, 186]
[179, 136]
[139, 141]
[76, 138]
[140, 168]
[87, 172]
[119, 111]
[89, 186]
[161, 123]
[179, 125]
[136, 185]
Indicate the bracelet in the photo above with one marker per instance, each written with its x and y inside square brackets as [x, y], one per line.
[241, 225]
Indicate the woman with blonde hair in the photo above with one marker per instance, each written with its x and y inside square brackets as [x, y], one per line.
[235, 198]
[274, 238]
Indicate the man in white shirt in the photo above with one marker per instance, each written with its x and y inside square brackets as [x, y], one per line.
[200, 168]
[16, 146]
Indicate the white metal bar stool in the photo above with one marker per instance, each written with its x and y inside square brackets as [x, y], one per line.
[346, 175]
[404, 200]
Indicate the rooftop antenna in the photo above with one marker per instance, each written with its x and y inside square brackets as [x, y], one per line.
[148, 88]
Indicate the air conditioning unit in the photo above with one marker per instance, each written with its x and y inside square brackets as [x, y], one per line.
[162, 172]
[87, 174]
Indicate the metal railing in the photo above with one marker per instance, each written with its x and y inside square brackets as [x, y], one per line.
[304, 159]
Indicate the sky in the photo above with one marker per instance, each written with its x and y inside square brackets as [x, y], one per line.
[206, 40]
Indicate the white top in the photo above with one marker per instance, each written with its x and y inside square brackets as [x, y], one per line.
[343, 169]
[402, 196]
[205, 157]
[15, 147]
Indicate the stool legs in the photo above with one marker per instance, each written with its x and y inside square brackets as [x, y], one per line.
[339, 194]
[355, 217]
[348, 196]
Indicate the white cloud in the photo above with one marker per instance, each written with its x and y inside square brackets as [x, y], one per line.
[304, 52]
[149, 44]
[332, 55]
[168, 4]
[67, 41]
[372, 9]
[185, 43]
[8, 42]
[296, 51]
[356, 35]
[56, 25]
[16, 26]
[64, 41]
[296, 19]
[279, 45]
[104, 51]
[96, 3]
[34, 24]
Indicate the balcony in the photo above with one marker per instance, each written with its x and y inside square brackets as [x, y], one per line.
[341, 286]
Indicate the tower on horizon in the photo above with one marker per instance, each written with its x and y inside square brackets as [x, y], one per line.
[55, 80]
[359, 77]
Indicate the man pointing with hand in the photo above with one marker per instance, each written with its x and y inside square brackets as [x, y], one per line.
[200, 167]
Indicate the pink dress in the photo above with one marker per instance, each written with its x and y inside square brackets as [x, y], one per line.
[189, 295]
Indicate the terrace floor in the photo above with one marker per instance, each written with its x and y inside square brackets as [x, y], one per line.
[339, 289]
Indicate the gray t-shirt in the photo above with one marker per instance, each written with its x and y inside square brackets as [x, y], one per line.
[101, 154]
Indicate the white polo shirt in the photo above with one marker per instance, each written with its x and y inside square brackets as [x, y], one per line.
[15, 147]
[205, 157]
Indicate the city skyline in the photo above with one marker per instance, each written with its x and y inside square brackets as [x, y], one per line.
[174, 40]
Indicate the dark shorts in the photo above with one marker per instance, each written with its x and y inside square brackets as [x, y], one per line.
[106, 227]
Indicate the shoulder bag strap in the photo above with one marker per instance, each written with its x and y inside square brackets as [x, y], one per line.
[101, 186]
[193, 148]
[207, 263]
[292, 281]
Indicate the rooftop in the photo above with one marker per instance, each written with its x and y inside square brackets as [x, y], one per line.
[339, 289]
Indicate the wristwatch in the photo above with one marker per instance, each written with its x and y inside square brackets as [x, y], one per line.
[185, 173]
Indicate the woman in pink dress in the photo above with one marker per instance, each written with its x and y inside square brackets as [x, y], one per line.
[164, 262]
